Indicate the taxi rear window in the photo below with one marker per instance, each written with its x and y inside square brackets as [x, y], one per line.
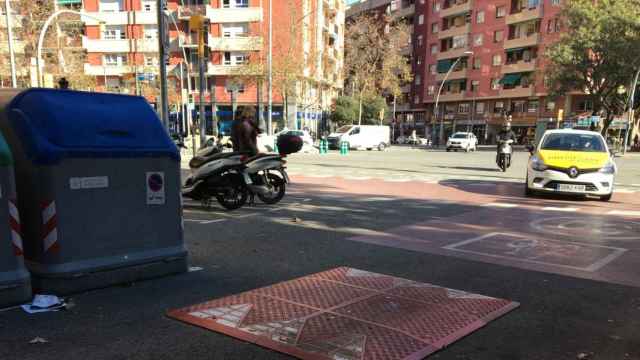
[573, 142]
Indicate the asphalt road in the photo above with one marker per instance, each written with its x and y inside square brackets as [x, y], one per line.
[340, 205]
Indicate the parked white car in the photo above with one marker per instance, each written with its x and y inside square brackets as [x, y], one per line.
[306, 137]
[462, 141]
[361, 136]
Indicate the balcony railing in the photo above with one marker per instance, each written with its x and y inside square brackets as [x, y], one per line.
[518, 92]
[237, 15]
[248, 43]
[454, 31]
[455, 75]
[518, 67]
[456, 9]
[524, 41]
[455, 96]
[525, 15]
[452, 53]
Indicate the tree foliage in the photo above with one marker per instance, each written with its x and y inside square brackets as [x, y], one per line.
[374, 60]
[345, 110]
[598, 53]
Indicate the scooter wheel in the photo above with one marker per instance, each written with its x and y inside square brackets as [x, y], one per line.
[279, 188]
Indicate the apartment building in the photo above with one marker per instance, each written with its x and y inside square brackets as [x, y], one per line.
[497, 48]
[395, 10]
[123, 54]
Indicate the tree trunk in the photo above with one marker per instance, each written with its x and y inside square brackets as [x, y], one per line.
[606, 124]
[360, 109]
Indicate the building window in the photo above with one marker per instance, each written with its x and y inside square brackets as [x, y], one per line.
[496, 60]
[114, 59]
[434, 28]
[463, 108]
[585, 105]
[419, 60]
[235, 3]
[434, 48]
[420, 38]
[418, 80]
[498, 35]
[234, 85]
[150, 32]
[232, 30]
[480, 17]
[475, 85]
[517, 106]
[551, 105]
[532, 106]
[435, 6]
[495, 84]
[234, 58]
[149, 5]
[498, 107]
[477, 63]
[112, 32]
[554, 25]
[416, 99]
[460, 41]
[431, 89]
[480, 108]
[501, 11]
[110, 5]
[150, 60]
[421, 19]
[555, 2]
[477, 39]
[432, 69]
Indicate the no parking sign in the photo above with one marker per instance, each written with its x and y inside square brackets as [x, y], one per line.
[155, 188]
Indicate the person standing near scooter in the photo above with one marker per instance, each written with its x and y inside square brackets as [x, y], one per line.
[244, 132]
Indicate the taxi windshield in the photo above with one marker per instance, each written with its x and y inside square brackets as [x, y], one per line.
[459, 136]
[573, 142]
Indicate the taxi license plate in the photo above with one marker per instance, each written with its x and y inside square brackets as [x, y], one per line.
[571, 188]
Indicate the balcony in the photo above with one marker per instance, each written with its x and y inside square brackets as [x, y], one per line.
[454, 31]
[145, 17]
[456, 9]
[525, 41]
[524, 15]
[227, 70]
[106, 46]
[248, 43]
[221, 15]
[452, 53]
[110, 18]
[452, 96]
[455, 75]
[404, 12]
[518, 92]
[519, 67]
[107, 70]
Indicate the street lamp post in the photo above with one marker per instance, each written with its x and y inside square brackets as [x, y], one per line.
[39, 61]
[270, 73]
[630, 114]
[435, 111]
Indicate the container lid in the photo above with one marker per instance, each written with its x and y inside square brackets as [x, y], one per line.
[55, 124]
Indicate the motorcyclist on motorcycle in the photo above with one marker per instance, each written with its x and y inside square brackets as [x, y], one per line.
[505, 134]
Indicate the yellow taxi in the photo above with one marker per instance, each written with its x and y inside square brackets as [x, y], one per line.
[571, 162]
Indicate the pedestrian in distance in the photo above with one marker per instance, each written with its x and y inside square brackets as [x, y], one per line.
[63, 84]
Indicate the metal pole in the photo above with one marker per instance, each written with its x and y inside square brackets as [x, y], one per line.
[270, 72]
[201, 86]
[441, 136]
[630, 115]
[162, 34]
[12, 56]
[181, 100]
[214, 109]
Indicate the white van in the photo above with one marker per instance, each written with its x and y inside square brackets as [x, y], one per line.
[361, 136]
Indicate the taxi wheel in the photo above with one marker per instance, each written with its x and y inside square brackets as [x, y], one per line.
[606, 197]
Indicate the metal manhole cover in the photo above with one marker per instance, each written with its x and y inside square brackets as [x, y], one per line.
[348, 314]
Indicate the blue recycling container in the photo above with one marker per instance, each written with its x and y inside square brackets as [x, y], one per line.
[98, 184]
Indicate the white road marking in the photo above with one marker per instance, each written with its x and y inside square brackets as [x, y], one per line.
[195, 268]
[213, 221]
[563, 209]
[624, 213]
[624, 191]
[357, 178]
[502, 205]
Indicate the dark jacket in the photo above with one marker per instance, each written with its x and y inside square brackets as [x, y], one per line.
[505, 135]
[244, 135]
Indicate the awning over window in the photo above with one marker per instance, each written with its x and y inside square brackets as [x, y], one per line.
[444, 65]
[511, 79]
[515, 49]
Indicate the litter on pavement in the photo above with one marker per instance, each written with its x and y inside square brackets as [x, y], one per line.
[45, 303]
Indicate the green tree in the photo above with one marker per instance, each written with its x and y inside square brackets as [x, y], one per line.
[345, 110]
[598, 53]
[372, 108]
[374, 57]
